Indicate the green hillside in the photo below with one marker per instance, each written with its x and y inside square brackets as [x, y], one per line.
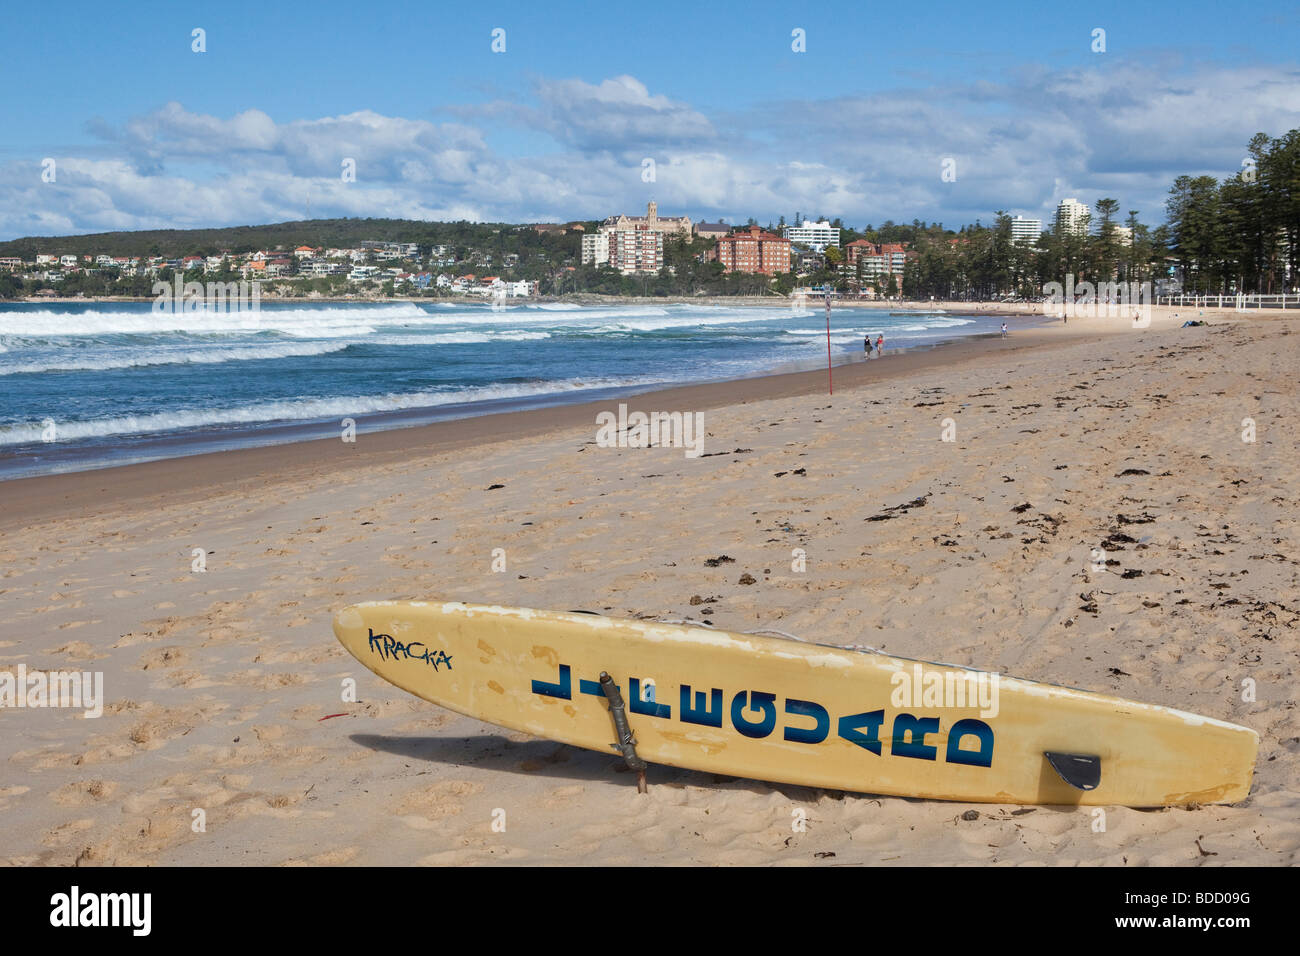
[172, 243]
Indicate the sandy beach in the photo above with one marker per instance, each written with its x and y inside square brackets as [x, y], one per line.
[224, 687]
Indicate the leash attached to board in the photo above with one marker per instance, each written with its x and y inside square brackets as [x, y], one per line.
[626, 742]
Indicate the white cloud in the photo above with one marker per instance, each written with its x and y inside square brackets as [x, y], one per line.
[1020, 145]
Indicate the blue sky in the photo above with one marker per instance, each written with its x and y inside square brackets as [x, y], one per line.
[146, 133]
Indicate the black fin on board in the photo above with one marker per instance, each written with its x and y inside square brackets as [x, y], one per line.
[1081, 771]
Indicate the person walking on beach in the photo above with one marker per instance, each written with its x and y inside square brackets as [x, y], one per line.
[866, 345]
[1004, 330]
[880, 345]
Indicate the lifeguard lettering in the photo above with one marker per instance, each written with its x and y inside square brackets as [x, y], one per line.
[754, 713]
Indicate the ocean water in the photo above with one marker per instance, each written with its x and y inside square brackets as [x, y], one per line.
[95, 384]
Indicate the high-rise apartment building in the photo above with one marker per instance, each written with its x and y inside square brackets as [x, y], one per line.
[1072, 217]
[636, 250]
[815, 235]
[753, 250]
[595, 249]
[1025, 230]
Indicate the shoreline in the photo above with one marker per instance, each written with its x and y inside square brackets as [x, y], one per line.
[37, 497]
[94, 455]
[40, 496]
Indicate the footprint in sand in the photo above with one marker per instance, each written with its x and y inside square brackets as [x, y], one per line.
[563, 796]
[65, 833]
[83, 793]
[161, 657]
[79, 651]
[438, 800]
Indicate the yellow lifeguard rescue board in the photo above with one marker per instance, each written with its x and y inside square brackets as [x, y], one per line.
[787, 711]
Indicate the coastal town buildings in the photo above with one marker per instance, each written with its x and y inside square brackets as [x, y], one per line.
[639, 249]
[808, 260]
[814, 235]
[651, 222]
[595, 249]
[1025, 230]
[752, 250]
[870, 261]
[555, 228]
[633, 243]
[1072, 217]
[711, 230]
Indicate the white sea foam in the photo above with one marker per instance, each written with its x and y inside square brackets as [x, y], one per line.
[297, 410]
[458, 338]
[357, 321]
[117, 357]
[294, 321]
[937, 323]
[139, 358]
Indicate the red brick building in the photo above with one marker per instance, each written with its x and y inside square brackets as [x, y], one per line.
[753, 250]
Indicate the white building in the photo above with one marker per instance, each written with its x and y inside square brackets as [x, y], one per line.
[1072, 217]
[490, 287]
[323, 267]
[1025, 230]
[595, 249]
[815, 235]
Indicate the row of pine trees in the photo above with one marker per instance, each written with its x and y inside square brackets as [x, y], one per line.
[1241, 234]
